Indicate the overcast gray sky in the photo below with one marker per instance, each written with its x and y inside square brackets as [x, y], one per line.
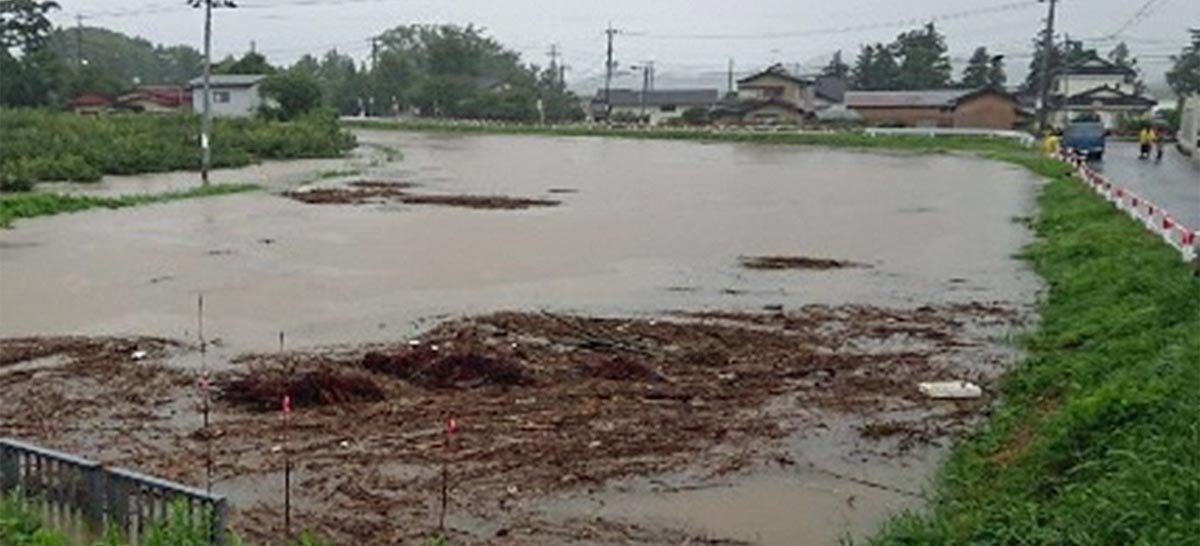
[681, 36]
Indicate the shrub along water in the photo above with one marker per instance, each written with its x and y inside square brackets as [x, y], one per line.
[31, 204]
[38, 145]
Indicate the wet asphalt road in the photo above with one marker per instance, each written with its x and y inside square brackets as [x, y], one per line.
[1173, 183]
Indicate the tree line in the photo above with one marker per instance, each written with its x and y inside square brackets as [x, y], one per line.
[431, 70]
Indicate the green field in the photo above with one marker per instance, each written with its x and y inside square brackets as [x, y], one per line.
[37, 145]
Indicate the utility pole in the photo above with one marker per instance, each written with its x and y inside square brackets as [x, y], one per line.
[554, 54]
[371, 78]
[79, 40]
[206, 121]
[608, 71]
[1047, 53]
[729, 78]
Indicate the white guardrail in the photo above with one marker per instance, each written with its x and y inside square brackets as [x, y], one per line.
[1020, 136]
[1156, 219]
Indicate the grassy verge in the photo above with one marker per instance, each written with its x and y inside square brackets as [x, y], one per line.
[38, 145]
[31, 204]
[840, 139]
[1096, 442]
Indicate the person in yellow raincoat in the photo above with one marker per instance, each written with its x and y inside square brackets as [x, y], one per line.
[1052, 142]
[1146, 138]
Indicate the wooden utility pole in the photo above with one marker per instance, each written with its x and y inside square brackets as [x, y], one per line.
[1047, 53]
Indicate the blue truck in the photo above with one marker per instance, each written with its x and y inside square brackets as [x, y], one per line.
[1085, 138]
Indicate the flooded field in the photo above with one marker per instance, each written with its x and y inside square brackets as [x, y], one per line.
[764, 315]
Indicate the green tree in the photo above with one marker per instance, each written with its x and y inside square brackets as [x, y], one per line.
[1121, 57]
[924, 63]
[1184, 75]
[250, 63]
[30, 73]
[875, 68]
[996, 74]
[978, 68]
[290, 94]
[836, 67]
[1064, 53]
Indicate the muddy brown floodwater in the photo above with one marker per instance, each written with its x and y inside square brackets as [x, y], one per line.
[623, 372]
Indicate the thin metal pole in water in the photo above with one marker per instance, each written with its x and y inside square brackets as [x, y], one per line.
[204, 394]
[287, 461]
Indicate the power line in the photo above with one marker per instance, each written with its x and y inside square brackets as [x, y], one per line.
[912, 21]
[1134, 19]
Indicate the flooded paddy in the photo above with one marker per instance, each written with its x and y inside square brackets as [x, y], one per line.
[653, 232]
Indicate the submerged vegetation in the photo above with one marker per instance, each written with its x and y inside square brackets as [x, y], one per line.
[1096, 441]
[38, 145]
[31, 204]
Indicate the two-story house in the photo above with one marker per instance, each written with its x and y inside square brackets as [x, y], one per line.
[1098, 87]
[776, 96]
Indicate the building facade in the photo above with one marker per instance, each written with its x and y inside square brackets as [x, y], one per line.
[233, 95]
[1097, 88]
[967, 108]
[1189, 127]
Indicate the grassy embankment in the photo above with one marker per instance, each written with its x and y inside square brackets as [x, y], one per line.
[31, 204]
[1097, 440]
[37, 145]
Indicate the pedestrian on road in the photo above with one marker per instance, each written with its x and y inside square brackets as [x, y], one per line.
[1051, 143]
[1159, 136]
[1146, 140]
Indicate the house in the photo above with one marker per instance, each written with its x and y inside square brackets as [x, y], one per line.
[776, 96]
[233, 95]
[980, 108]
[155, 99]
[1189, 127]
[90, 104]
[1097, 86]
[653, 106]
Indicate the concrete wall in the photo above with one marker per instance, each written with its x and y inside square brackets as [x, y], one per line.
[243, 101]
[773, 113]
[656, 113]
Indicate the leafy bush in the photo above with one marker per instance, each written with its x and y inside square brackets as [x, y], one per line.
[38, 145]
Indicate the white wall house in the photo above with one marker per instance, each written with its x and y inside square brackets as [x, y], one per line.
[654, 106]
[233, 95]
[1097, 86]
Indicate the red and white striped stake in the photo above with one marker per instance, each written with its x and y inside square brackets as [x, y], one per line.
[451, 430]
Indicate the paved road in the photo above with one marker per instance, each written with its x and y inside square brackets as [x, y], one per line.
[1173, 184]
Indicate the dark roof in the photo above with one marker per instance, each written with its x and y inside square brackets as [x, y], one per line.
[1108, 96]
[170, 96]
[831, 88]
[776, 70]
[660, 97]
[228, 80]
[933, 98]
[1095, 65]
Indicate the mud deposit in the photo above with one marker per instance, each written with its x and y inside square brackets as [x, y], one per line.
[795, 262]
[546, 404]
[370, 191]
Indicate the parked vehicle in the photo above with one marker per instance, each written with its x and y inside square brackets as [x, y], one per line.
[1085, 138]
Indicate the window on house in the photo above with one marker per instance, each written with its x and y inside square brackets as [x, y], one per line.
[220, 96]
